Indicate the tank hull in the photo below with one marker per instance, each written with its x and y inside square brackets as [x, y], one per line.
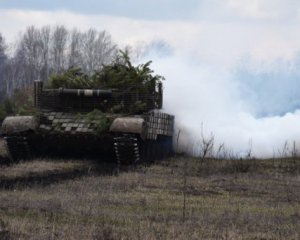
[108, 124]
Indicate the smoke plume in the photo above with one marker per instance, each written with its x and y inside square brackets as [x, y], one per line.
[248, 108]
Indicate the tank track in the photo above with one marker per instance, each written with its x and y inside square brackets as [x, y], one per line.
[130, 149]
[127, 150]
[18, 147]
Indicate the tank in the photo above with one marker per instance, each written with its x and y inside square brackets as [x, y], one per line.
[126, 126]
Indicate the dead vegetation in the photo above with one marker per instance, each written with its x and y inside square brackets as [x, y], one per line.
[180, 198]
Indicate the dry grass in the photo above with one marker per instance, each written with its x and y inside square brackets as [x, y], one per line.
[41, 167]
[224, 200]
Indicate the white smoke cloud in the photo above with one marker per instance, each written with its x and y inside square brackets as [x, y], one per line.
[207, 101]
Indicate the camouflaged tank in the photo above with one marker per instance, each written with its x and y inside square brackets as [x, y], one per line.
[123, 125]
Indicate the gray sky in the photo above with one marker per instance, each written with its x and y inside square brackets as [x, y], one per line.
[218, 31]
[155, 9]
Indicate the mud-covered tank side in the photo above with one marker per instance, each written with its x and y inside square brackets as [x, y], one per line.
[19, 124]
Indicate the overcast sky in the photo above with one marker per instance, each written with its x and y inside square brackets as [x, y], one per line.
[219, 31]
[238, 61]
[163, 9]
[247, 37]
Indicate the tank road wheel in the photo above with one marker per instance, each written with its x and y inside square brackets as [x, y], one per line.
[18, 147]
[127, 149]
[130, 149]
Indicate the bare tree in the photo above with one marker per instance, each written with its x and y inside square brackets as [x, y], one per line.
[59, 48]
[97, 50]
[39, 52]
[3, 56]
[106, 49]
[45, 37]
[3, 61]
[75, 56]
[28, 59]
[17, 69]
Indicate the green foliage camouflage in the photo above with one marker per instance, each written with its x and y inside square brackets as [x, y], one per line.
[120, 74]
[20, 103]
[72, 78]
[123, 75]
[100, 121]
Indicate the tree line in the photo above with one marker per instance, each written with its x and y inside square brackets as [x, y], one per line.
[41, 52]
[48, 52]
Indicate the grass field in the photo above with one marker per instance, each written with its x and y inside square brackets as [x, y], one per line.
[179, 198]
